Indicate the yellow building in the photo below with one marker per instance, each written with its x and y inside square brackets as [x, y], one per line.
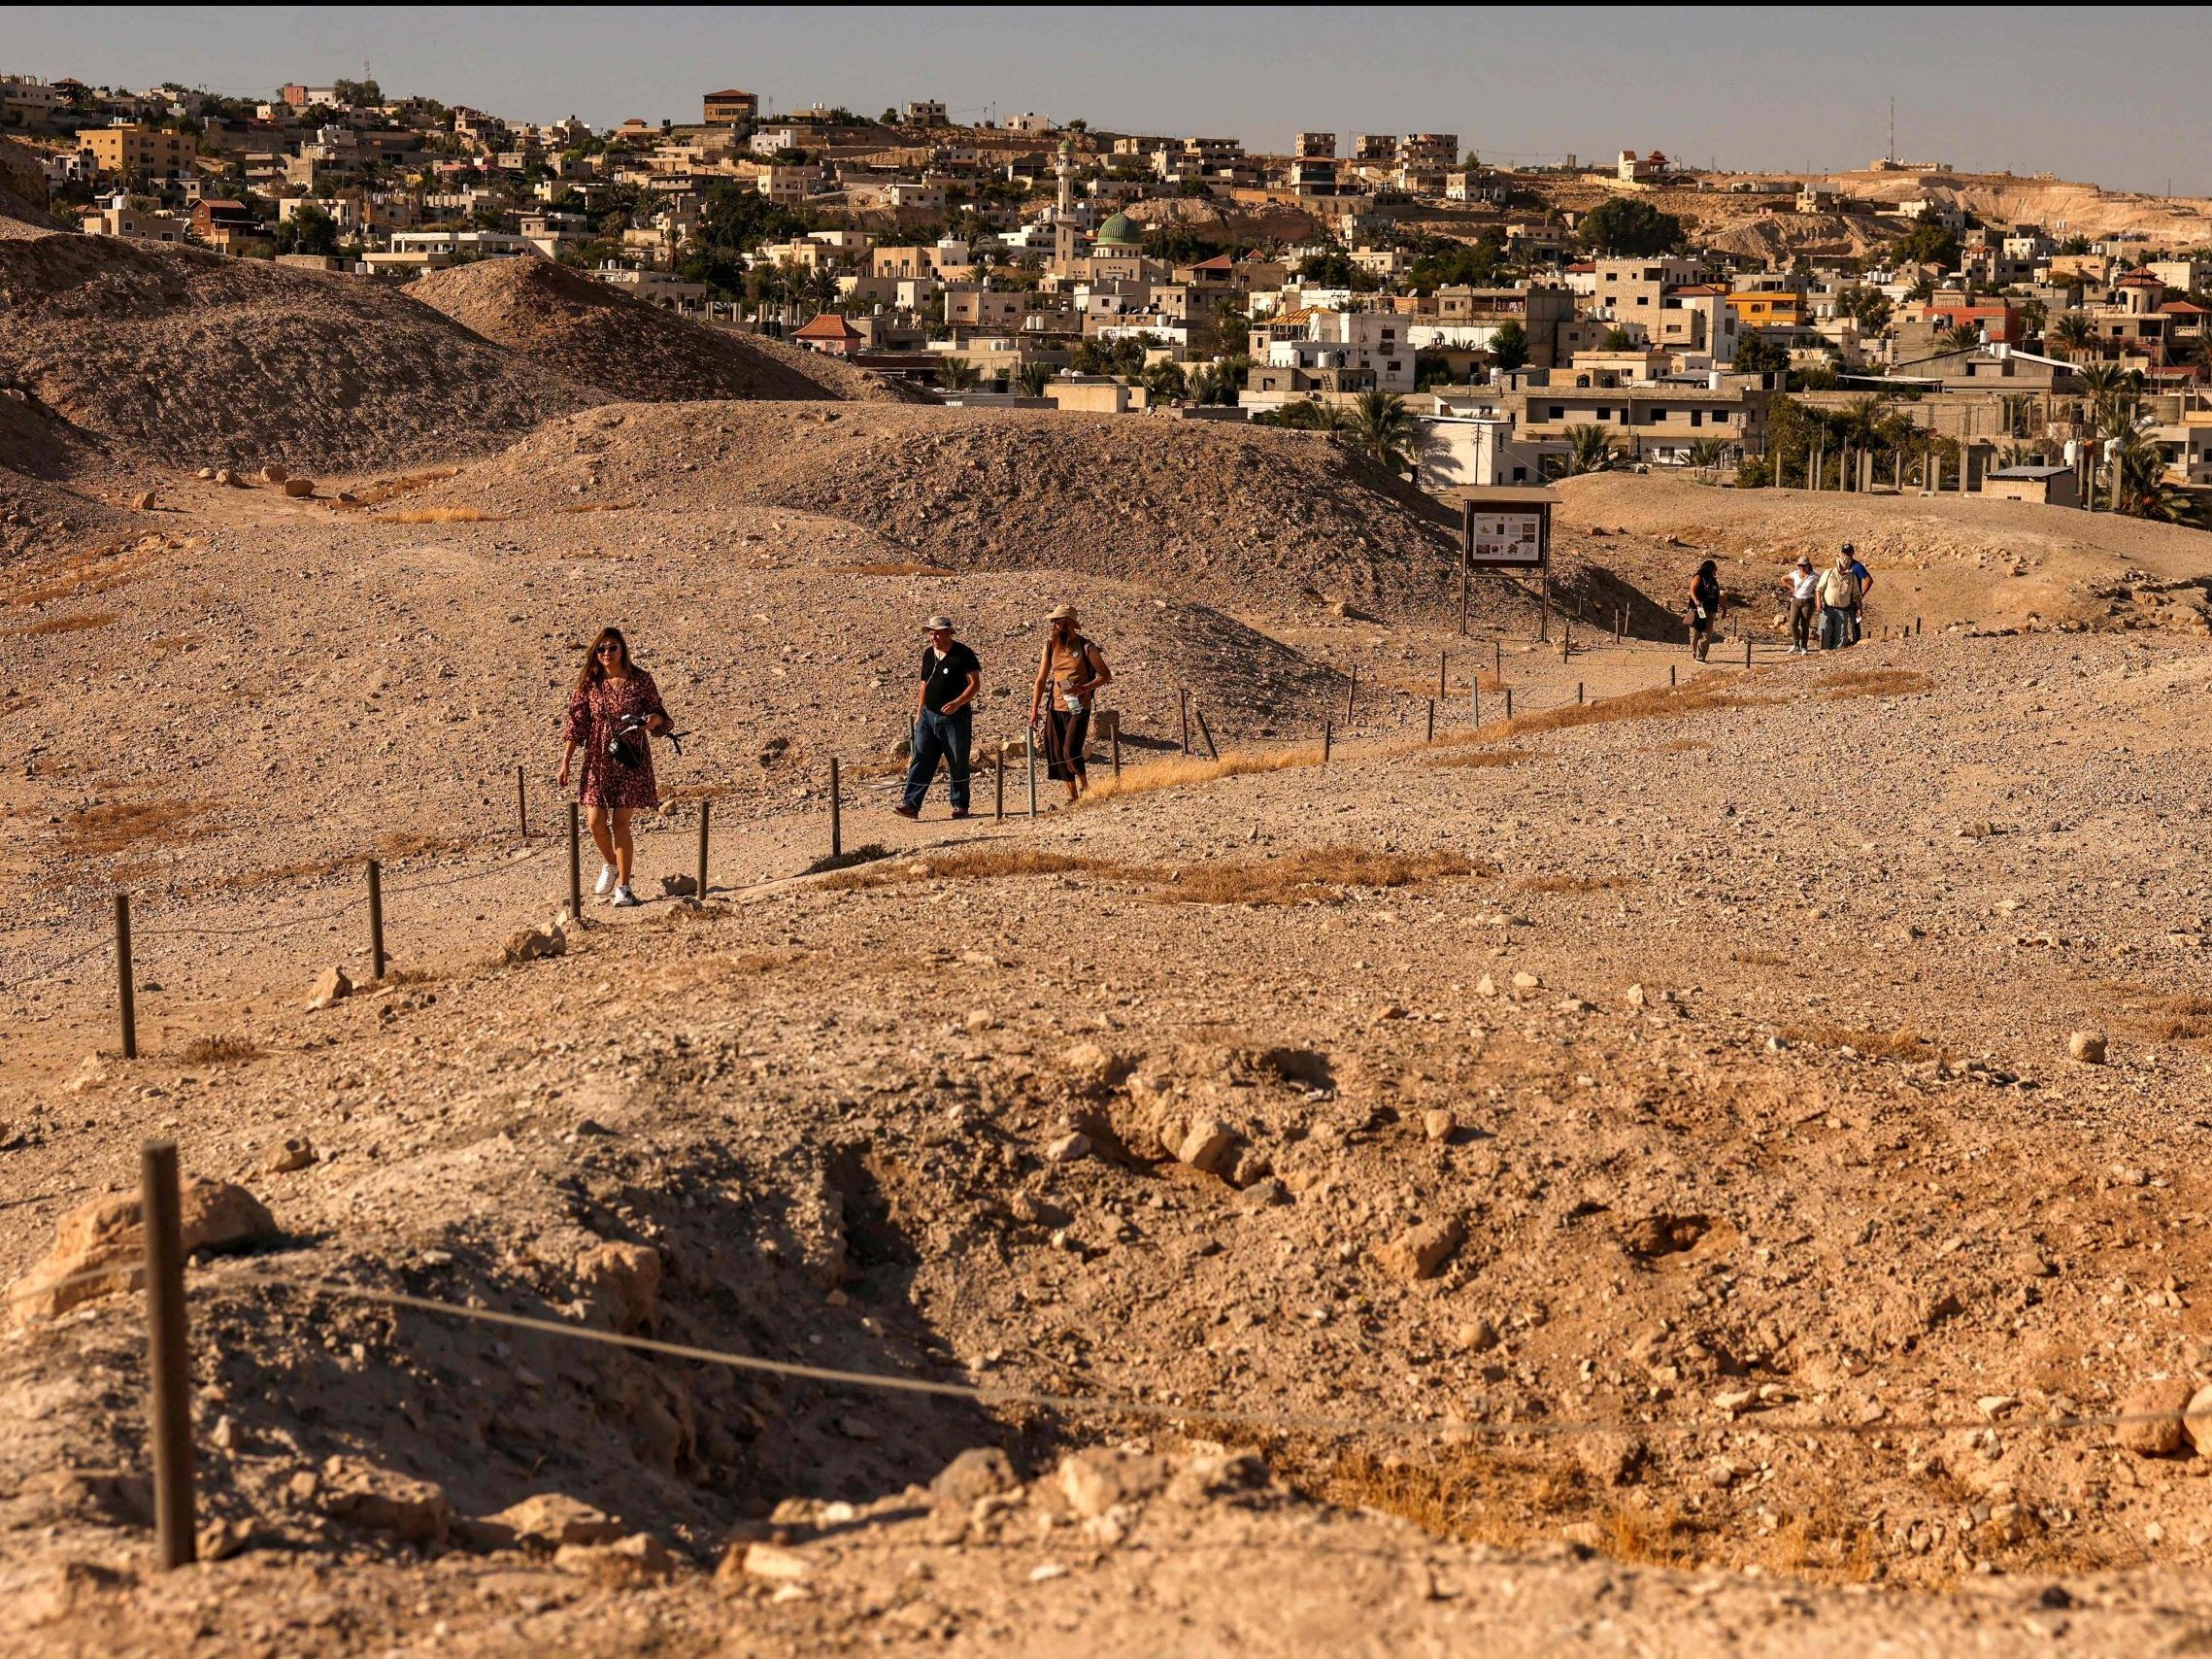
[1778, 309]
[127, 151]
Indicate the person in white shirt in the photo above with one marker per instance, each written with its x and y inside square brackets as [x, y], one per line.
[1803, 585]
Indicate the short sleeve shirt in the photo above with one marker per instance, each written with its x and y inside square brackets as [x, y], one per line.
[946, 677]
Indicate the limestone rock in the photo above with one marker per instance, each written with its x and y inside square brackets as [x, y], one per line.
[763, 1561]
[680, 886]
[1097, 1066]
[103, 1238]
[207, 472]
[639, 1559]
[1206, 1144]
[620, 1281]
[299, 488]
[329, 987]
[980, 1472]
[224, 475]
[1070, 1148]
[1246, 1167]
[295, 1152]
[535, 944]
[2196, 1425]
[2088, 1047]
[1634, 997]
[143, 502]
[2160, 1435]
[551, 1519]
[1421, 1252]
[273, 474]
[1438, 1125]
[381, 1499]
[1096, 1481]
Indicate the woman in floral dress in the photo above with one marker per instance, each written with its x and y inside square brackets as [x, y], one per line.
[614, 707]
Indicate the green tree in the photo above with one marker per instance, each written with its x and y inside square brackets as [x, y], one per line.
[1304, 414]
[1509, 347]
[957, 374]
[1165, 381]
[1869, 307]
[1631, 229]
[1928, 243]
[1757, 354]
[1590, 448]
[1708, 452]
[1959, 337]
[1034, 378]
[1383, 430]
[1617, 340]
[310, 231]
[2073, 332]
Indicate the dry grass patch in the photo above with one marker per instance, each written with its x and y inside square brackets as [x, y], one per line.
[1575, 883]
[1179, 771]
[225, 1049]
[1486, 757]
[71, 575]
[1318, 873]
[2169, 1019]
[378, 490]
[1874, 683]
[595, 506]
[444, 516]
[908, 569]
[71, 625]
[115, 826]
[1760, 959]
[1903, 1043]
[1660, 703]
[979, 863]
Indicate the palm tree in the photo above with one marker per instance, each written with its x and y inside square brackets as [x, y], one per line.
[1165, 380]
[1708, 452]
[1034, 378]
[2073, 332]
[1960, 337]
[1590, 448]
[957, 374]
[2101, 393]
[1210, 383]
[1383, 430]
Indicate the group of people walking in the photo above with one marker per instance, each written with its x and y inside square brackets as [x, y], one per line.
[1835, 598]
[1070, 671]
[615, 710]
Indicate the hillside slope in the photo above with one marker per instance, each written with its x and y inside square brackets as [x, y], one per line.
[181, 358]
[628, 347]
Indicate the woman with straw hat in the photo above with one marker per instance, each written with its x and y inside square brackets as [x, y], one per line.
[1072, 669]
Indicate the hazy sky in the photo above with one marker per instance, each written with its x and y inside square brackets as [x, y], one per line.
[2106, 95]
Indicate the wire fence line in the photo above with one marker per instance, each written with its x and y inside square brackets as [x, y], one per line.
[213, 1282]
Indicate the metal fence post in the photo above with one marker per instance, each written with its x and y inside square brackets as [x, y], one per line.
[168, 1376]
[375, 920]
[126, 992]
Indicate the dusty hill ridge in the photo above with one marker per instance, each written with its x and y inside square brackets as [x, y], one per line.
[182, 357]
[1231, 516]
[628, 348]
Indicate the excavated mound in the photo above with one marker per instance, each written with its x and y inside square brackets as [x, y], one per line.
[585, 330]
[1234, 516]
[178, 357]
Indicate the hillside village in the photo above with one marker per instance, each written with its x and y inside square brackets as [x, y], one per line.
[2015, 337]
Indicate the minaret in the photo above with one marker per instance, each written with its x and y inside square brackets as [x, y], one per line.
[1064, 167]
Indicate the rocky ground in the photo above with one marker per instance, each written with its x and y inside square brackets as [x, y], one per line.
[1658, 1173]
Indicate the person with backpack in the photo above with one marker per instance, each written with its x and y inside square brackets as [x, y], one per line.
[1839, 597]
[1802, 585]
[1072, 669]
[612, 713]
[1707, 604]
[944, 719]
[1865, 586]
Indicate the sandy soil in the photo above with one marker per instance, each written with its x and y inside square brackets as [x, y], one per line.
[1615, 1178]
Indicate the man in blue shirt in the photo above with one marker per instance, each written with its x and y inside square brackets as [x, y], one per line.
[944, 719]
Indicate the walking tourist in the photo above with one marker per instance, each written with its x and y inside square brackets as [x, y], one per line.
[614, 708]
[1802, 585]
[944, 719]
[1839, 597]
[1706, 607]
[1072, 670]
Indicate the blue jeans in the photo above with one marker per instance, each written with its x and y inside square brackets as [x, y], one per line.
[936, 736]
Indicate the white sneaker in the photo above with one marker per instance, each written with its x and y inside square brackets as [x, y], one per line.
[623, 899]
[606, 882]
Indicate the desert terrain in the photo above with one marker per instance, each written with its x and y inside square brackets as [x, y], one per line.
[1620, 1177]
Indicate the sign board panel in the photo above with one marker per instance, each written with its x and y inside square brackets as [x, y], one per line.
[1505, 538]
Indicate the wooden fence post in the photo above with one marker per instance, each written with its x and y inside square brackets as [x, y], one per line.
[126, 992]
[1578, 693]
[1431, 720]
[522, 804]
[168, 1376]
[1443, 663]
[1326, 733]
[375, 920]
[836, 809]
[1509, 702]
[1116, 738]
[999, 783]
[706, 819]
[1029, 753]
[1184, 697]
[1206, 731]
[1351, 694]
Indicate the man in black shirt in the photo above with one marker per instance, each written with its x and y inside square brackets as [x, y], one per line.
[944, 718]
